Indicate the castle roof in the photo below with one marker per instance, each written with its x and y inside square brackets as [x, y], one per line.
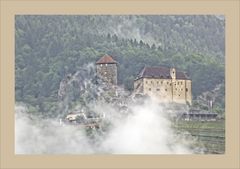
[106, 59]
[159, 72]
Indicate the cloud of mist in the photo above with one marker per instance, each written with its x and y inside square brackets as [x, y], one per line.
[38, 136]
[146, 130]
[131, 28]
[127, 126]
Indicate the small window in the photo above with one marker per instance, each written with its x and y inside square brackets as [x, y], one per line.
[167, 82]
[186, 89]
[149, 89]
[106, 64]
[170, 84]
[146, 82]
[157, 82]
[101, 65]
[151, 81]
[158, 89]
[161, 82]
[178, 83]
[165, 89]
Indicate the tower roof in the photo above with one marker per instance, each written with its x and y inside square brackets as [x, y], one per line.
[159, 72]
[106, 59]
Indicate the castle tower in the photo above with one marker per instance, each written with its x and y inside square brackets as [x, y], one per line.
[173, 73]
[106, 68]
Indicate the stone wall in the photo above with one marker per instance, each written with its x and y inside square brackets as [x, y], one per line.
[189, 91]
[179, 91]
[160, 88]
[138, 86]
[107, 73]
[166, 90]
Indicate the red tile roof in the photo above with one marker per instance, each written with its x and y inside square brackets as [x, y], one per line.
[106, 59]
[159, 72]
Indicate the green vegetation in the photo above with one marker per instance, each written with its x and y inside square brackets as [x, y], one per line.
[201, 124]
[210, 135]
[50, 47]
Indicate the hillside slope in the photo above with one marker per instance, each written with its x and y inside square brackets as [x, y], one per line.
[53, 46]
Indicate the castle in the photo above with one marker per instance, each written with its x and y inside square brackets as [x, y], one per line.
[166, 84]
[106, 68]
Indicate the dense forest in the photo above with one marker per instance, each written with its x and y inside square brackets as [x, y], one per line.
[50, 47]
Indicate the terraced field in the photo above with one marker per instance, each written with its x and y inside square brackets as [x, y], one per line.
[209, 135]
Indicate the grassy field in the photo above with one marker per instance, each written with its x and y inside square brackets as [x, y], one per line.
[209, 135]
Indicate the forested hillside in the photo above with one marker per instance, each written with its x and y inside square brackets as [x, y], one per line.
[50, 47]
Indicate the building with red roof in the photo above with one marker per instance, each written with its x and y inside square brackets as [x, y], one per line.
[165, 84]
[106, 59]
[106, 68]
